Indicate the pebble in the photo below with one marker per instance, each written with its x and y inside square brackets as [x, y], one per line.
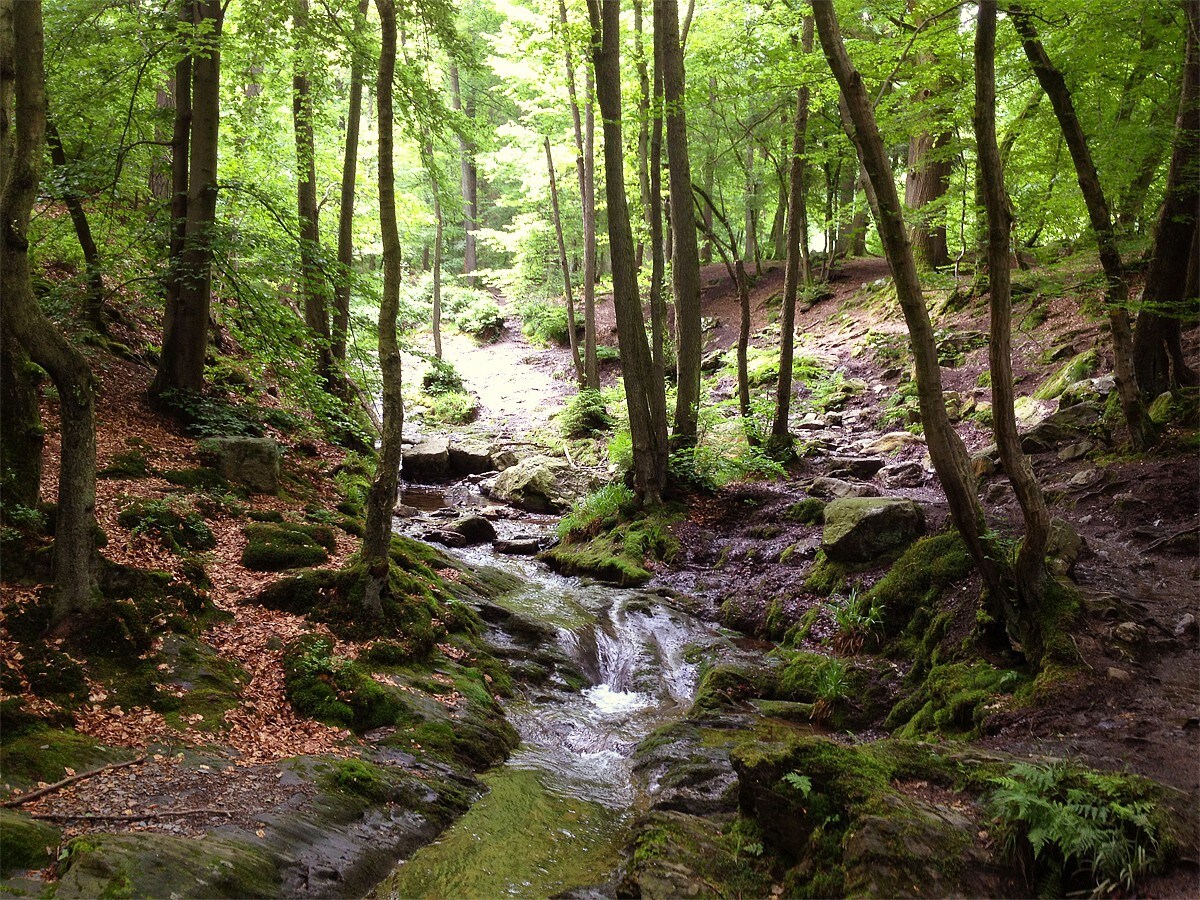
[1121, 675]
[1186, 625]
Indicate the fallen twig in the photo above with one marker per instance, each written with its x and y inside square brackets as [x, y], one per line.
[22, 799]
[130, 817]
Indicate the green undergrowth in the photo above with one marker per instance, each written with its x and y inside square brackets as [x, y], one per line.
[335, 689]
[173, 523]
[585, 415]
[607, 538]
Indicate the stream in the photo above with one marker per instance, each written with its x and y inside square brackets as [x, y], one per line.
[556, 815]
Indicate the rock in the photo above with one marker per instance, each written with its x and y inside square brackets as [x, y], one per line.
[838, 489]
[543, 484]
[521, 546]
[891, 442]
[1076, 451]
[253, 462]
[403, 511]
[982, 465]
[1159, 410]
[860, 468]
[1130, 632]
[1187, 625]
[712, 361]
[1063, 548]
[1067, 425]
[861, 529]
[469, 457]
[446, 538]
[1120, 675]
[427, 461]
[474, 529]
[1093, 390]
[1072, 371]
[504, 458]
[1084, 478]
[905, 474]
[1029, 411]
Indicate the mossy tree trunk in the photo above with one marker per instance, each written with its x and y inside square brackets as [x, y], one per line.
[945, 447]
[381, 499]
[74, 541]
[645, 398]
[1141, 429]
[1030, 574]
[796, 268]
[1157, 352]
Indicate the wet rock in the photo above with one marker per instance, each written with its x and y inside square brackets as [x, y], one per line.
[839, 489]
[902, 475]
[253, 462]
[468, 457]
[543, 484]
[860, 468]
[861, 529]
[446, 538]
[427, 461]
[520, 546]
[685, 774]
[1063, 548]
[474, 530]
[891, 442]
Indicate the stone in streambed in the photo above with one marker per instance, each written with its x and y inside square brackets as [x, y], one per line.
[543, 484]
[427, 461]
[469, 457]
[474, 529]
[861, 529]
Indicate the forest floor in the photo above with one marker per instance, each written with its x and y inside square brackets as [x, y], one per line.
[1135, 705]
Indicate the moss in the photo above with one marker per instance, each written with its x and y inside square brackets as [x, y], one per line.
[585, 415]
[1073, 370]
[358, 778]
[176, 526]
[825, 576]
[27, 843]
[272, 547]
[265, 515]
[126, 464]
[952, 699]
[593, 561]
[211, 684]
[919, 577]
[199, 478]
[334, 689]
[1058, 612]
[726, 685]
[45, 754]
[807, 512]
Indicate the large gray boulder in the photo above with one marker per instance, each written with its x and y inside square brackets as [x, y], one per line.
[469, 457]
[427, 461]
[543, 484]
[249, 461]
[861, 529]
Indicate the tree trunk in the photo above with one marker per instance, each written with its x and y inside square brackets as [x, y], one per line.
[185, 339]
[751, 238]
[181, 135]
[345, 246]
[1163, 297]
[566, 269]
[74, 536]
[658, 257]
[1023, 617]
[639, 52]
[585, 167]
[381, 499]
[945, 447]
[93, 303]
[438, 247]
[645, 398]
[927, 183]
[1141, 429]
[796, 269]
[685, 255]
[21, 449]
[313, 286]
[470, 182]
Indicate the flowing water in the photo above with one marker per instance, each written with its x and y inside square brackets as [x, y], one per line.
[557, 813]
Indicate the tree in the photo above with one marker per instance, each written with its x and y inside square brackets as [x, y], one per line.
[796, 268]
[1141, 429]
[93, 304]
[381, 499]
[185, 333]
[572, 334]
[1030, 569]
[1157, 351]
[945, 446]
[645, 398]
[469, 179]
[22, 132]
[685, 255]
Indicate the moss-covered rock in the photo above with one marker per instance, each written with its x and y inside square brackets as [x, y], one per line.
[172, 523]
[335, 689]
[161, 865]
[26, 843]
[860, 529]
[272, 547]
[807, 512]
[1073, 370]
[951, 699]
[919, 577]
[45, 754]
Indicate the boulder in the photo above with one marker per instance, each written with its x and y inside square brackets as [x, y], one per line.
[1094, 390]
[860, 529]
[252, 462]
[468, 457]
[503, 458]
[891, 442]
[474, 529]
[1073, 370]
[1063, 548]
[860, 468]
[543, 484]
[1068, 425]
[519, 546]
[837, 488]
[446, 538]
[712, 361]
[905, 474]
[427, 461]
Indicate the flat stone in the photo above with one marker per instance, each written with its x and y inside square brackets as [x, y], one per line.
[891, 442]
[905, 474]
[427, 461]
[860, 468]
[838, 489]
[524, 546]
[1116, 674]
[861, 529]
[469, 457]
[1076, 451]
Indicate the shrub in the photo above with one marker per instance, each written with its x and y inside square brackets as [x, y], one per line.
[585, 415]
[441, 378]
[451, 409]
[126, 464]
[175, 526]
[599, 508]
[473, 312]
[334, 689]
[545, 322]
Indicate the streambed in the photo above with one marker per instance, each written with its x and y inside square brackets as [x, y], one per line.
[557, 814]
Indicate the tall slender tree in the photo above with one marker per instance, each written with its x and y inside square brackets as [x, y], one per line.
[568, 294]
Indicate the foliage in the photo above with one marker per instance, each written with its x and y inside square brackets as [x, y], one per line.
[858, 620]
[473, 312]
[1079, 830]
[545, 322]
[597, 510]
[334, 689]
[207, 416]
[171, 522]
[441, 378]
[585, 415]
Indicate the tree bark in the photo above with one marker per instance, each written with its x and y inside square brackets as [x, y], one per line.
[1030, 573]
[1163, 297]
[927, 183]
[1141, 429]
[585, 167]
[645, 399]
[639, 51]
[181, 135]
[74, 538]
[345, 245]
[21, 449]
[381, 499]
[568, 294]
[435, 190]
[796, 268]
[685, 254]
[658, 258]
[93, 303]
[185, 339]
[945, 447]
[313, 286]
[469, 178]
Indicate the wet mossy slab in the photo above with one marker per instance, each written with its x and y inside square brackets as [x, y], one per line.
[161, 865]
[25, 843]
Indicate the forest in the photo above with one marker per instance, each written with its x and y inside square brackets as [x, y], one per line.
[599, 448]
